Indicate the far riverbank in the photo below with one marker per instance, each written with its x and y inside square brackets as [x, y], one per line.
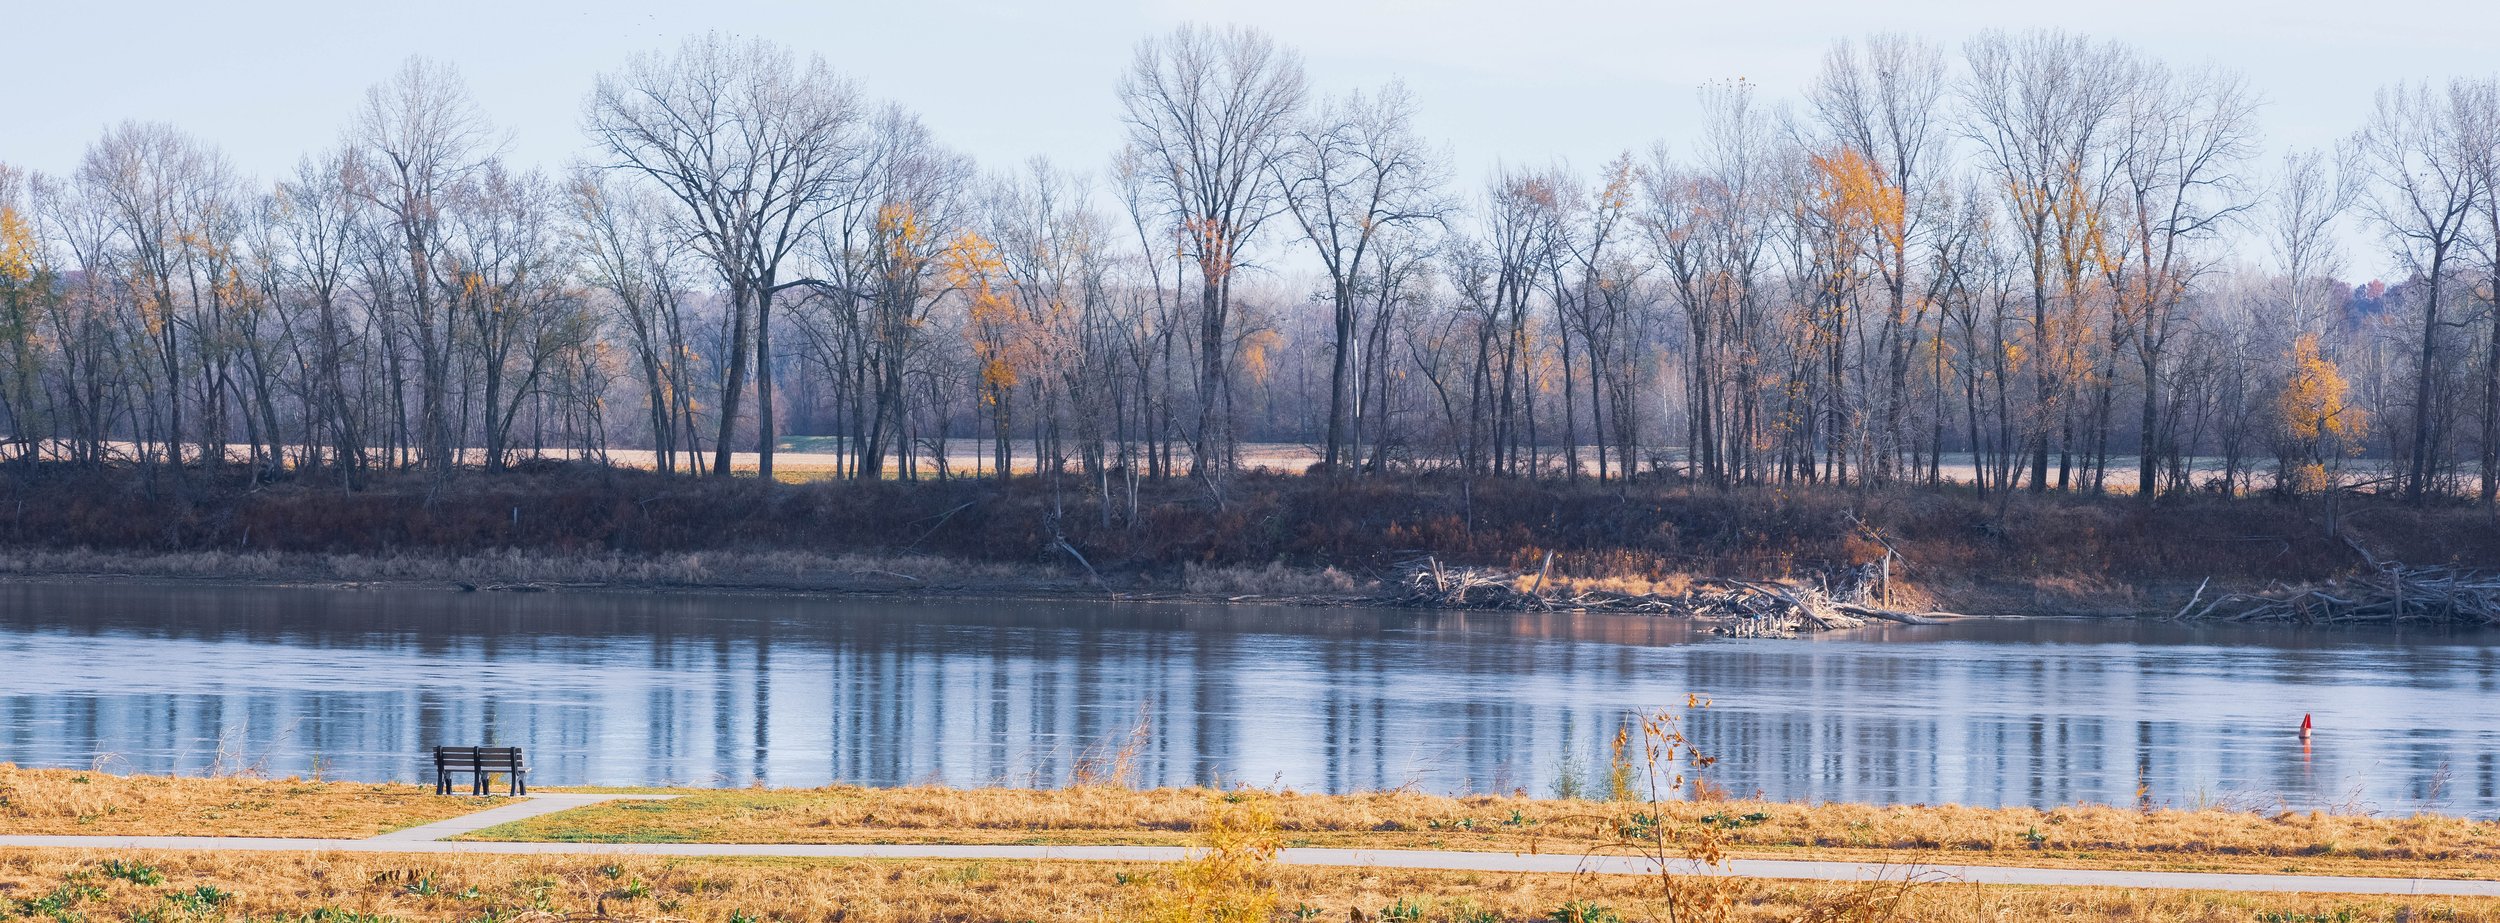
[1309, 540]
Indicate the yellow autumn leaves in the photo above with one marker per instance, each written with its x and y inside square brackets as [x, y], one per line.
[974, 267]
[2319, 422]
[17, 249]
[1857, 197]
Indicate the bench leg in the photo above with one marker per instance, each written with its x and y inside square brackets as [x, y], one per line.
[442, 782]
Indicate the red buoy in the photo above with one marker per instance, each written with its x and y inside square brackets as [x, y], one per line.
[2304, 727]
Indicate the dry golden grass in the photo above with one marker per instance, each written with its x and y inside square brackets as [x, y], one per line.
[2078, 836]
[57, 801]
[361, 888]
[1273, 579]
[1567, 585]
[68, 802]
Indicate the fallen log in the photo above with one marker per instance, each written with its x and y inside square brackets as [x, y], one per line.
[1890, 615]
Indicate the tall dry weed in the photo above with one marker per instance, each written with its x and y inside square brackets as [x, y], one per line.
[1230, 875]
[1112, 763]
[1655, 771]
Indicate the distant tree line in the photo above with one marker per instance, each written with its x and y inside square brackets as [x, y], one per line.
[2032, 263]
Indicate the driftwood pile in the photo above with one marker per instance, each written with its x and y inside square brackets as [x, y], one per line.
[2395, 593]
[2388, 592]
[1742, 608]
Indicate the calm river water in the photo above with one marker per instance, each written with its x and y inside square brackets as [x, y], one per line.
[727, 690]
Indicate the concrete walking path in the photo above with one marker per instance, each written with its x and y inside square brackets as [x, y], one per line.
[430, 838]
[522, 808]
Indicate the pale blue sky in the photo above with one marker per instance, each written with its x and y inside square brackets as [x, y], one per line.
[1522, 82]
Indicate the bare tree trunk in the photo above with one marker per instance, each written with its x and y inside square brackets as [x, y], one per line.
[734, 385]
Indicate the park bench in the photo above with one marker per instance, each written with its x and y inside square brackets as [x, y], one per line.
[479, 762]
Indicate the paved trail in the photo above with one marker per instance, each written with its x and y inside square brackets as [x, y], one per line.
[521, 809]
[430, 839]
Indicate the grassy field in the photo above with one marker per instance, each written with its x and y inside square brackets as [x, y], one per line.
[1233, 875]
[2074, 837]
[65, 802]
[348, 888]
[2081, 836]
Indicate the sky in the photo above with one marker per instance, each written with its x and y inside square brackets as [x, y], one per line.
[1518, 82]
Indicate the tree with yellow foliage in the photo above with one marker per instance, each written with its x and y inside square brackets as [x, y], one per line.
[2320, 425]
[1002, 341]
[1882, 102]
[1846, 211]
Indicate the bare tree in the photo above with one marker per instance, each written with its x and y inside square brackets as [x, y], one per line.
[2311, 193]
[517, 315]
[756, 148]
[1355, 170]
[626, 252]
[1051, 249]
[2314, 190]
[912, 204]
[90, 374]
[2481, 130]
[159, 186]
[316, 213]
[2029, 259]
[2178, 184]
[418, 136]
[1885, 105]
[2041, 107]
[2418, 149]
[1209, 112]
[26, 282]
[1709, 227]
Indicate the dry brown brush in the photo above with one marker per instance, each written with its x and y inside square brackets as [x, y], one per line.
[1954, 549]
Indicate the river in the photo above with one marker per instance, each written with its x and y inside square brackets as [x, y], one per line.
[713, 690]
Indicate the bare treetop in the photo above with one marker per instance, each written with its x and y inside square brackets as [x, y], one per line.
[750, 140]
[422, 133]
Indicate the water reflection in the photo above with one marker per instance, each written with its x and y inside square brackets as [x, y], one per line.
[629, 689]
